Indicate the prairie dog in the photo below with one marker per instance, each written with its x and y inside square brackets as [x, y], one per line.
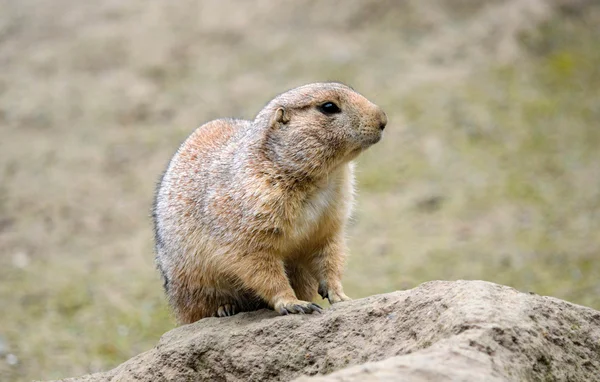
[251, 214]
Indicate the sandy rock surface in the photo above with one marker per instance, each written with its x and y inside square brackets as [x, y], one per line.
[460, 331]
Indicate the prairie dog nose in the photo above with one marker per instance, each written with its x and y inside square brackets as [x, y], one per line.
[382, 119]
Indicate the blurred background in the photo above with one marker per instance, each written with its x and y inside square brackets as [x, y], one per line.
[489, 168]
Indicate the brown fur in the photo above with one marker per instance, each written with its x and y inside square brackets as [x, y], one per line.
[251, 214]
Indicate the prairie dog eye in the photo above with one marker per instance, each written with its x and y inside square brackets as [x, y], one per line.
[329, 108]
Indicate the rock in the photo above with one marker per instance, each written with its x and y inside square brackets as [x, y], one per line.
[459, 331]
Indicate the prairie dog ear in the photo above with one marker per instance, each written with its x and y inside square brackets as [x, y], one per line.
[281, 116]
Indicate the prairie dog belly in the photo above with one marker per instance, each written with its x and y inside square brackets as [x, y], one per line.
[328, 205]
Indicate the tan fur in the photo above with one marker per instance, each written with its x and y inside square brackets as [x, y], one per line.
[251, 214]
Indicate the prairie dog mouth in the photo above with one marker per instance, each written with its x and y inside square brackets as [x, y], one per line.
[370, 138]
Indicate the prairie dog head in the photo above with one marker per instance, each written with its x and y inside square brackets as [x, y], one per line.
[316, 127]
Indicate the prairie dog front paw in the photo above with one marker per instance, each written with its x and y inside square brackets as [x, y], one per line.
[296, 307]
[333, 295]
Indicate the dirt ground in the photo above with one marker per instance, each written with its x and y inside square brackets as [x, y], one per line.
[488, 169]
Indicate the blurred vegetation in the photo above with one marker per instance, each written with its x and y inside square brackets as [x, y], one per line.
[489, 168]
[506, 167]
